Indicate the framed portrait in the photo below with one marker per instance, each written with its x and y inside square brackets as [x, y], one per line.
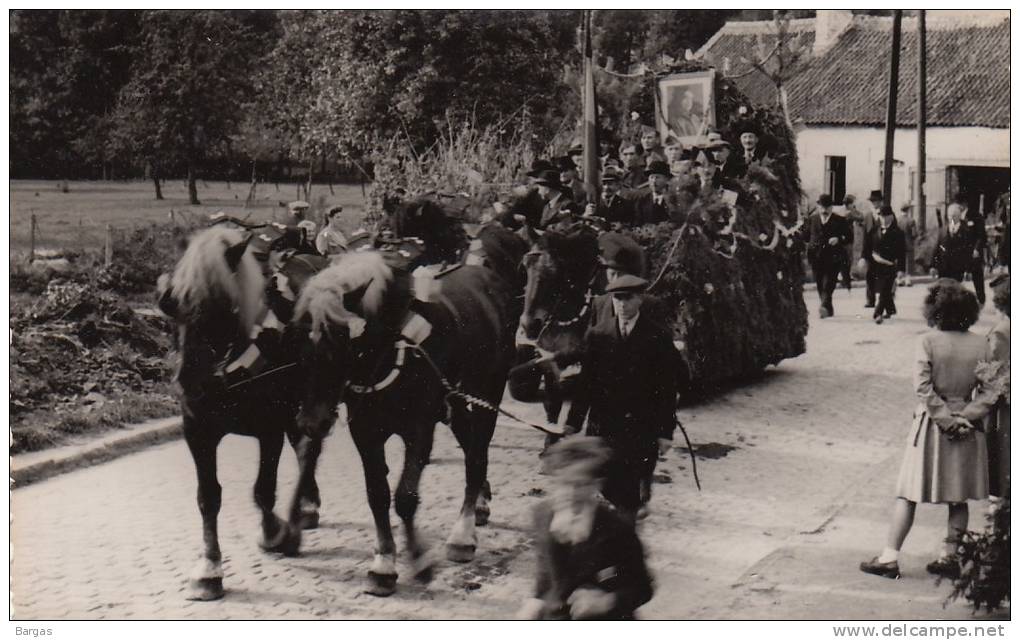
[685, 105]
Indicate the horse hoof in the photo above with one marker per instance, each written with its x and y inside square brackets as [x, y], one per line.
[481, 516]
[286, 542]
[205, 589]
[310, 520]
[424, 569]
[381, 584]
[460, 552]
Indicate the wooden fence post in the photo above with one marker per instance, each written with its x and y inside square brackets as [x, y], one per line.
[109, 245]
[31, 240]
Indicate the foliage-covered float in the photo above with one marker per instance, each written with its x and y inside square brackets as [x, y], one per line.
[731, 274]
[728, 267]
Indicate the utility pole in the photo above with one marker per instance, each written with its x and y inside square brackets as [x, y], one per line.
[922, 117]
[890, 114]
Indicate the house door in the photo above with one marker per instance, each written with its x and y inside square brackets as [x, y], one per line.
[981, 186]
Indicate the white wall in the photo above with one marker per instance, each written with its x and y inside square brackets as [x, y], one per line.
[864, 149]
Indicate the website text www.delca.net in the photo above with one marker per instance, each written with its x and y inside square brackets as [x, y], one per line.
[906, 630]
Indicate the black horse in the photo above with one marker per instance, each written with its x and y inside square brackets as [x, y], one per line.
[216, 296]
[563, 276]
[402, 364]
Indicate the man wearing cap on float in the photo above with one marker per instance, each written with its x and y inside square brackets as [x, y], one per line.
[828, 237]
[888, 248]
[650, 143]
[651, 207]
[525, 204]
[730, 166]
[612, 206]
[590, 561]
[297, 211]
[634, 169]
[628, 382]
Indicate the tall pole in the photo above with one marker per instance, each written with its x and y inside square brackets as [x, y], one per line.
[922, 116]
[591, 140]
[890, 114]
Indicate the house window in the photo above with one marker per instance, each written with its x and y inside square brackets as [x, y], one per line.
[835, 177]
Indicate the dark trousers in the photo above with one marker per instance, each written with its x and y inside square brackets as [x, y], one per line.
[977, 273]
[625, 473]
[869, 285]
[885, 284]
[826, 273]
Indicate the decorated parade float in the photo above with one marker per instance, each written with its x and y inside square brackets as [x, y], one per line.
[728, 263]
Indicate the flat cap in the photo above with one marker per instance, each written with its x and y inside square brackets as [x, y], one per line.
[627, 283]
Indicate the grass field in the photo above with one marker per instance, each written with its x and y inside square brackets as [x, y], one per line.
[78, 219]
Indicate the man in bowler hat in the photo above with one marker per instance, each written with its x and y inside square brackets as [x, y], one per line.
[828, 237]
[887, 247]
[651, 207]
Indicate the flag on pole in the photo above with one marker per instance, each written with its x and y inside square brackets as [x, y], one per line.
[591, 139]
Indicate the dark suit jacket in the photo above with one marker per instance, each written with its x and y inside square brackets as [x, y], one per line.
[734, 167]
[551, 211]
[647, 212]
[618, 209]
[891, 245]
[611, 559]
[820, 252]
[529, 205]
[633, 180]
[629, 382]
[954, 254]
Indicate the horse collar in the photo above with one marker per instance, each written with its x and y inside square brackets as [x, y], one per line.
[415, 330]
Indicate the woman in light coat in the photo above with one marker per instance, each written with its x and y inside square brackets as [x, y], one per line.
[946, 458]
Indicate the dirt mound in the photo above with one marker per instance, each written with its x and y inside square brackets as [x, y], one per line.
[72, 351]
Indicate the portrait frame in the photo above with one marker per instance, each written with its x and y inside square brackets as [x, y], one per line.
[671, 115]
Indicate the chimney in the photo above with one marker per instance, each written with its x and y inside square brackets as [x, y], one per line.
[829, 26]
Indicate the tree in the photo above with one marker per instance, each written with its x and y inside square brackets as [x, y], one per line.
[189, 83]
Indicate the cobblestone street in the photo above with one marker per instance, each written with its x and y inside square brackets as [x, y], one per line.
[797, 471]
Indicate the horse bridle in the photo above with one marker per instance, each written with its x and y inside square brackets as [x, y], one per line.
[582, 312]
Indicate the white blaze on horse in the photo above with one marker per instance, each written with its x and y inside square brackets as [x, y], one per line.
[401, 364]
[216, 297]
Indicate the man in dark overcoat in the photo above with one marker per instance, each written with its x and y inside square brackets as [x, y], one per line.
[828, 237]
[960, 248]
[887, 247]
[651, 207]
[627, 380]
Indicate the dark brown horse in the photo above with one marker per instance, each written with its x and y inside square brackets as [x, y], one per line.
[563, 277]
[401, 365]
[216, 296]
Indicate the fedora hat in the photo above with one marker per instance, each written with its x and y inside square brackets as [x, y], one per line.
[876, 196]
[540, 165]
[549, 178]
[825, 200]
[657, 167]
[620, 252]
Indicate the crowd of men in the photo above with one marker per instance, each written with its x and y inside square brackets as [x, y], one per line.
[636, 182]
[887, 250]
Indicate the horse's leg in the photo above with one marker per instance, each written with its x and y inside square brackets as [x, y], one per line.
[417, 444]
[473, 430]
[277, 535]
[305, 507]
[382, 574]
[207, 577]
